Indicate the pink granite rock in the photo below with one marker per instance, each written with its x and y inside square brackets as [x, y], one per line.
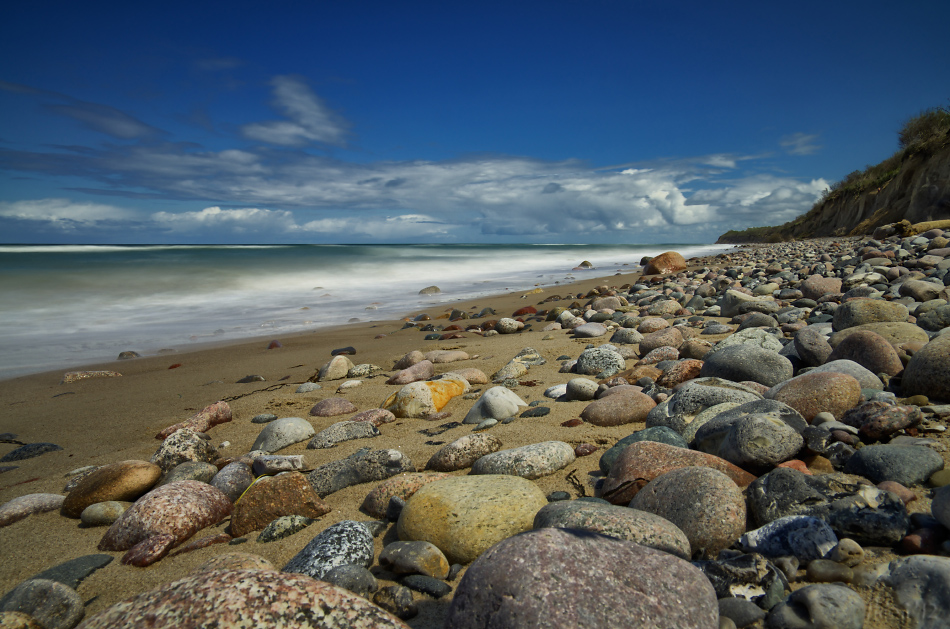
[331, 407]
[376, 416]
[217, 413]
[24, 506]
[422, 370]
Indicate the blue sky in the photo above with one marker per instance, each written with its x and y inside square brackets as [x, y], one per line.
[344, 122]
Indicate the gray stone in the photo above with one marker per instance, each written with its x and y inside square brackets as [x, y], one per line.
[266, 418]
[626, 336]
[275, 463]
[363, 466]
[233, 479]
[921, 585]
[581, 389]
[600, 362]
[344, 543]
[620, 522]
[940, 507]
[867, 379]
[747, 362]
[907, 465]
[590, 330]
[812, 346]
[495, 403]
[747, 576]
[928, 372]
[427, 585]
[860, 311]
[530, 461]
[740, 611]
[342, 431]
[822, 606]
[282, 433]
[356, 579]
[29, 451]
[760, 441]
[72, 572]
[752, 337]
[800, 536]
[200, 471]
[103, 513]
[284, 526]
[50, 603]
[533, 580]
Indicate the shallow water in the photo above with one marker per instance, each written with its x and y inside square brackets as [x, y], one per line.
[67, 305]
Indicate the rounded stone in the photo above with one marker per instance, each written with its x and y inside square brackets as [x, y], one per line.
[799, 536]
[341, 544]
[355, 579]
[531, 461]
[620, 522]
[760, 441]
[746, 362]
[590, 330]
[907, 465]
[752, 337]
[335, 369]
[103, 513]
[581, 389]
[414, 558]
[183, 445]
[928, 372]
[402, 486]
[860, 311]
[50, 603]
[556, 578]
[870, 350]
[124, 481]
[465, 515]
[331, 407]
[495, 403]
[817, 392]
[245, 598]
[599, 361]
[233, 479]
[190, 470]
[619, 409]
[667, 337]
[660, 434]
[420, 399]
[463, 452]
[282, 433]
[665, 263]
[822, 606]
[704, 503]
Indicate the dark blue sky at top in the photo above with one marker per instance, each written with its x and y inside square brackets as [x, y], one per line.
[603, 121]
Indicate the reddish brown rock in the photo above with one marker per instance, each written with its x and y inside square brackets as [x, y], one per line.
[817, 392]
[472, 375]
[641, 462]
[245, 598]
[402, 486]
[876, 420]
[584, 449]
[331, 407]
[695, 348]
[616, 410]
[667, 337]
[906, 495]
[275, 496]
[816, 286]
[177, 510]
[204, 542]
[409, 360]
[870, 350]
[667, 262]
[660, 354]
[680, 372]
[639, 371]
[124, 481]
[202, 421]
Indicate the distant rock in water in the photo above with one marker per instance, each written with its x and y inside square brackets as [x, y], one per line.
[430, 290]
[583, 266]
[128, 354]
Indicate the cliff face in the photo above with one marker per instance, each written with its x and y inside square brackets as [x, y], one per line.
[919, 192]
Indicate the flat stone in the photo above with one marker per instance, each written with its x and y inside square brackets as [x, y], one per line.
[23, 506]
[284, 526]
[907, 465]
[272, 497]
[341, 544]
[463, 452]
[860, 311]
[465, 515]
[363, 466]
[71, 573]
[530, 461]
[823, 605]
[703, 502]
[802, 537]
[342, 431]
[332, 407]
[533, 580]
[617, 410]
[29, 451]
[620, 522]
[747, 362]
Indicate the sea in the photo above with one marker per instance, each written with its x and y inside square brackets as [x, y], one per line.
[64, 306]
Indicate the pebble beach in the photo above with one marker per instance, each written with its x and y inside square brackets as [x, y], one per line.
[756, 438]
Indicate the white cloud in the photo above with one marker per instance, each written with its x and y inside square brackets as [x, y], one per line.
[238, 220]
[310, 120]
[64, 214]
[800, 143]
[409, 227]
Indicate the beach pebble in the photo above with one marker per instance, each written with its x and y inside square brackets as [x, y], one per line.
[581, 389]
[124, 481]
[616, 410]
[861, 512]
[335, 369]
[732, 300]
[816, 392]
[928, 372]
[233, 479]
[660, 434]
[440, 356]
[665, 263]
[652, 324]
[680, 372]
[342, 431]
[802, 537]
[463, 452]
[530, 461]
[420, 399]
[52, 605]
[397, 600]
[29, 451]
[876, 420]
[860, 311]
[76, 376]
[812, 346]
[626, 336]
[363, 466]
[659, 355]
[907, 465]
[703, 502]
[747, 362]
[414, 558]
[266, 418]
[599, 361]
[271, 497]
[331, 407]
[465, 515]
[376, 502]
[533, 580]
[363, 370]
[620, 522]
[940, 507]
[749, 576]
[244, 598]
[283, 432]
[375, 416]
[495, 403]
[284, 526]
[103, 513]
[760, 339]
[175, 512]
[275, 463]
[344, 543]
[760, 441]
[202, 421]
[667, 337]
[23, 506]
[190, 470]
[741, 612]
[643, 461]
[817, 286]
[590, 330]
[427, 585]
[847, 552]
[870, 350]
[422, 370]
[920, 584]
[556, 391]
[822, 606]
[306, 387]
[183, 445]
[355, 579]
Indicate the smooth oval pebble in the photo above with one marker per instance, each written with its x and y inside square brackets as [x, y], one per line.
[103, 513]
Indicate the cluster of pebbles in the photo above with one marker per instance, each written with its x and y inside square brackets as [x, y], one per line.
[790, 406]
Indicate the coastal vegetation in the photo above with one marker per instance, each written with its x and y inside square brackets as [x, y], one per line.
[857, 204]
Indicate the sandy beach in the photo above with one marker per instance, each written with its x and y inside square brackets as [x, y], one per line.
[105, 420]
